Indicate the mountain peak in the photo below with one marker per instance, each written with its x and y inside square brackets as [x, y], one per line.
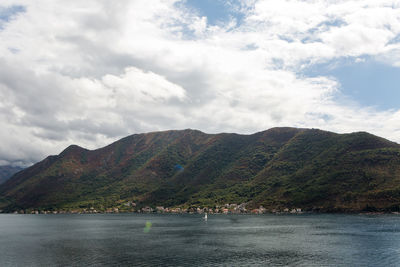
[73, 149]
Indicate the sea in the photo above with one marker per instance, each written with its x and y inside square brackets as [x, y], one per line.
[190, 240]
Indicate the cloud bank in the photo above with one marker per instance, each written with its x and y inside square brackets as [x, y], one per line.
[91, 72]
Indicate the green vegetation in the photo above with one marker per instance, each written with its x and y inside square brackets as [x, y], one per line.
[278, 168]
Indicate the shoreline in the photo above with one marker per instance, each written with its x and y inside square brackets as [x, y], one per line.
[188, 213]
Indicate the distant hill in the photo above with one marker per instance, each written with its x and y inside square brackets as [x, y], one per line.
[278, 168]
[8, 171]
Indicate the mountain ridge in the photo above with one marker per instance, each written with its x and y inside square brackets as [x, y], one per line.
[277, 168]
[6, 171]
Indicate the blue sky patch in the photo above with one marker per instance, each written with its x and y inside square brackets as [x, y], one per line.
[368, 82]
[6, 13]
[217, 11]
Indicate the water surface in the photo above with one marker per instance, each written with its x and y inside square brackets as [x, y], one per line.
[182, 240]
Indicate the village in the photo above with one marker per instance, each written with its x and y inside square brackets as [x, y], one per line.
[131, 207]
[225, 209]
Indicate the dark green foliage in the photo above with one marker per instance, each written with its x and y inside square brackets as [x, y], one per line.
[279, 168]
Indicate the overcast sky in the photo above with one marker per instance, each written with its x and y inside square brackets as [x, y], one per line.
[91, 72]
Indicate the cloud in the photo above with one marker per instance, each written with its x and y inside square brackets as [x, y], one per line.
[90, 73]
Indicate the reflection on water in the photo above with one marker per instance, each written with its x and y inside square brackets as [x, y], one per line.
[181, 240]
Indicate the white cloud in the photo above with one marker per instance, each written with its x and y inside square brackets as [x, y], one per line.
[143, 87]
[91, 72]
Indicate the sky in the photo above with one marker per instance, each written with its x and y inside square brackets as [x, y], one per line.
[91, 72]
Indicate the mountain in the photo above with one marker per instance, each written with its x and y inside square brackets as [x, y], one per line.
[278, 168]
[7, 171]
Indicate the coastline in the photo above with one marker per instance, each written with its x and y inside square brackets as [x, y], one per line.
[194, 213]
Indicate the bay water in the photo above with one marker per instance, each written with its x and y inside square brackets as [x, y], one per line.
[189, 240]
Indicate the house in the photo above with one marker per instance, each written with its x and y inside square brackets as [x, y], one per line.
[160, 209]
[255, 211]
[147, 209]
[130, 204]
[242, 207]
[176, 210]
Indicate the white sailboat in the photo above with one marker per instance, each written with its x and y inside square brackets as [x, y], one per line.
[205, 216]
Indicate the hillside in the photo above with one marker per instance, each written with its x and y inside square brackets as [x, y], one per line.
[277, 168]
[7, 171]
